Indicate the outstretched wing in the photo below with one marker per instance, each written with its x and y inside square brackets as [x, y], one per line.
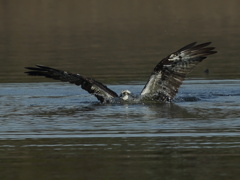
[102, 92]
[169, 73]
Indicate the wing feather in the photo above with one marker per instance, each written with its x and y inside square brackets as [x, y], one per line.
[169, 73]
[102, 92]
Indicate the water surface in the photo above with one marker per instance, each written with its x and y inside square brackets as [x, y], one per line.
[58, 128]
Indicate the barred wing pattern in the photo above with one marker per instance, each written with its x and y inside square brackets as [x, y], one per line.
[169, 73]
[102, 92]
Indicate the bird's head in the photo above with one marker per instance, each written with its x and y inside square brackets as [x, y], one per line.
[125, 94]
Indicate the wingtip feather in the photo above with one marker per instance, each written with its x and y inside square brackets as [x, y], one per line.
[187, 46]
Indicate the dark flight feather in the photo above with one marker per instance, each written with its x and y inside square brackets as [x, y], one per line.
[102, 92]
[169, 73]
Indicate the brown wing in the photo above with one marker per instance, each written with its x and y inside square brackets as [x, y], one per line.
[102, 92]
[169, 73]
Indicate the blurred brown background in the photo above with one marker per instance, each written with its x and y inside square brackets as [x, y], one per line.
[115, 40]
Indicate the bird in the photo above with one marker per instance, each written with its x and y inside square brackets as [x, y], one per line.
[162, 85]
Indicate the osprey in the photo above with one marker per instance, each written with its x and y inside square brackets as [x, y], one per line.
[163, 83]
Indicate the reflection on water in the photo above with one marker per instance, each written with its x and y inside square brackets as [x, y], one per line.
[58, 129]
[119, 158]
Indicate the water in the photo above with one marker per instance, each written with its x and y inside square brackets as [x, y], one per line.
[42, 111]
[59, 129]
[54, 130]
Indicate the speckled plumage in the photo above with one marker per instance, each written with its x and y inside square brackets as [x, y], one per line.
[163, 84]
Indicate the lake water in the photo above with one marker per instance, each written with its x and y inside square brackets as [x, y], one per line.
[58, 129]
[55, 130]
